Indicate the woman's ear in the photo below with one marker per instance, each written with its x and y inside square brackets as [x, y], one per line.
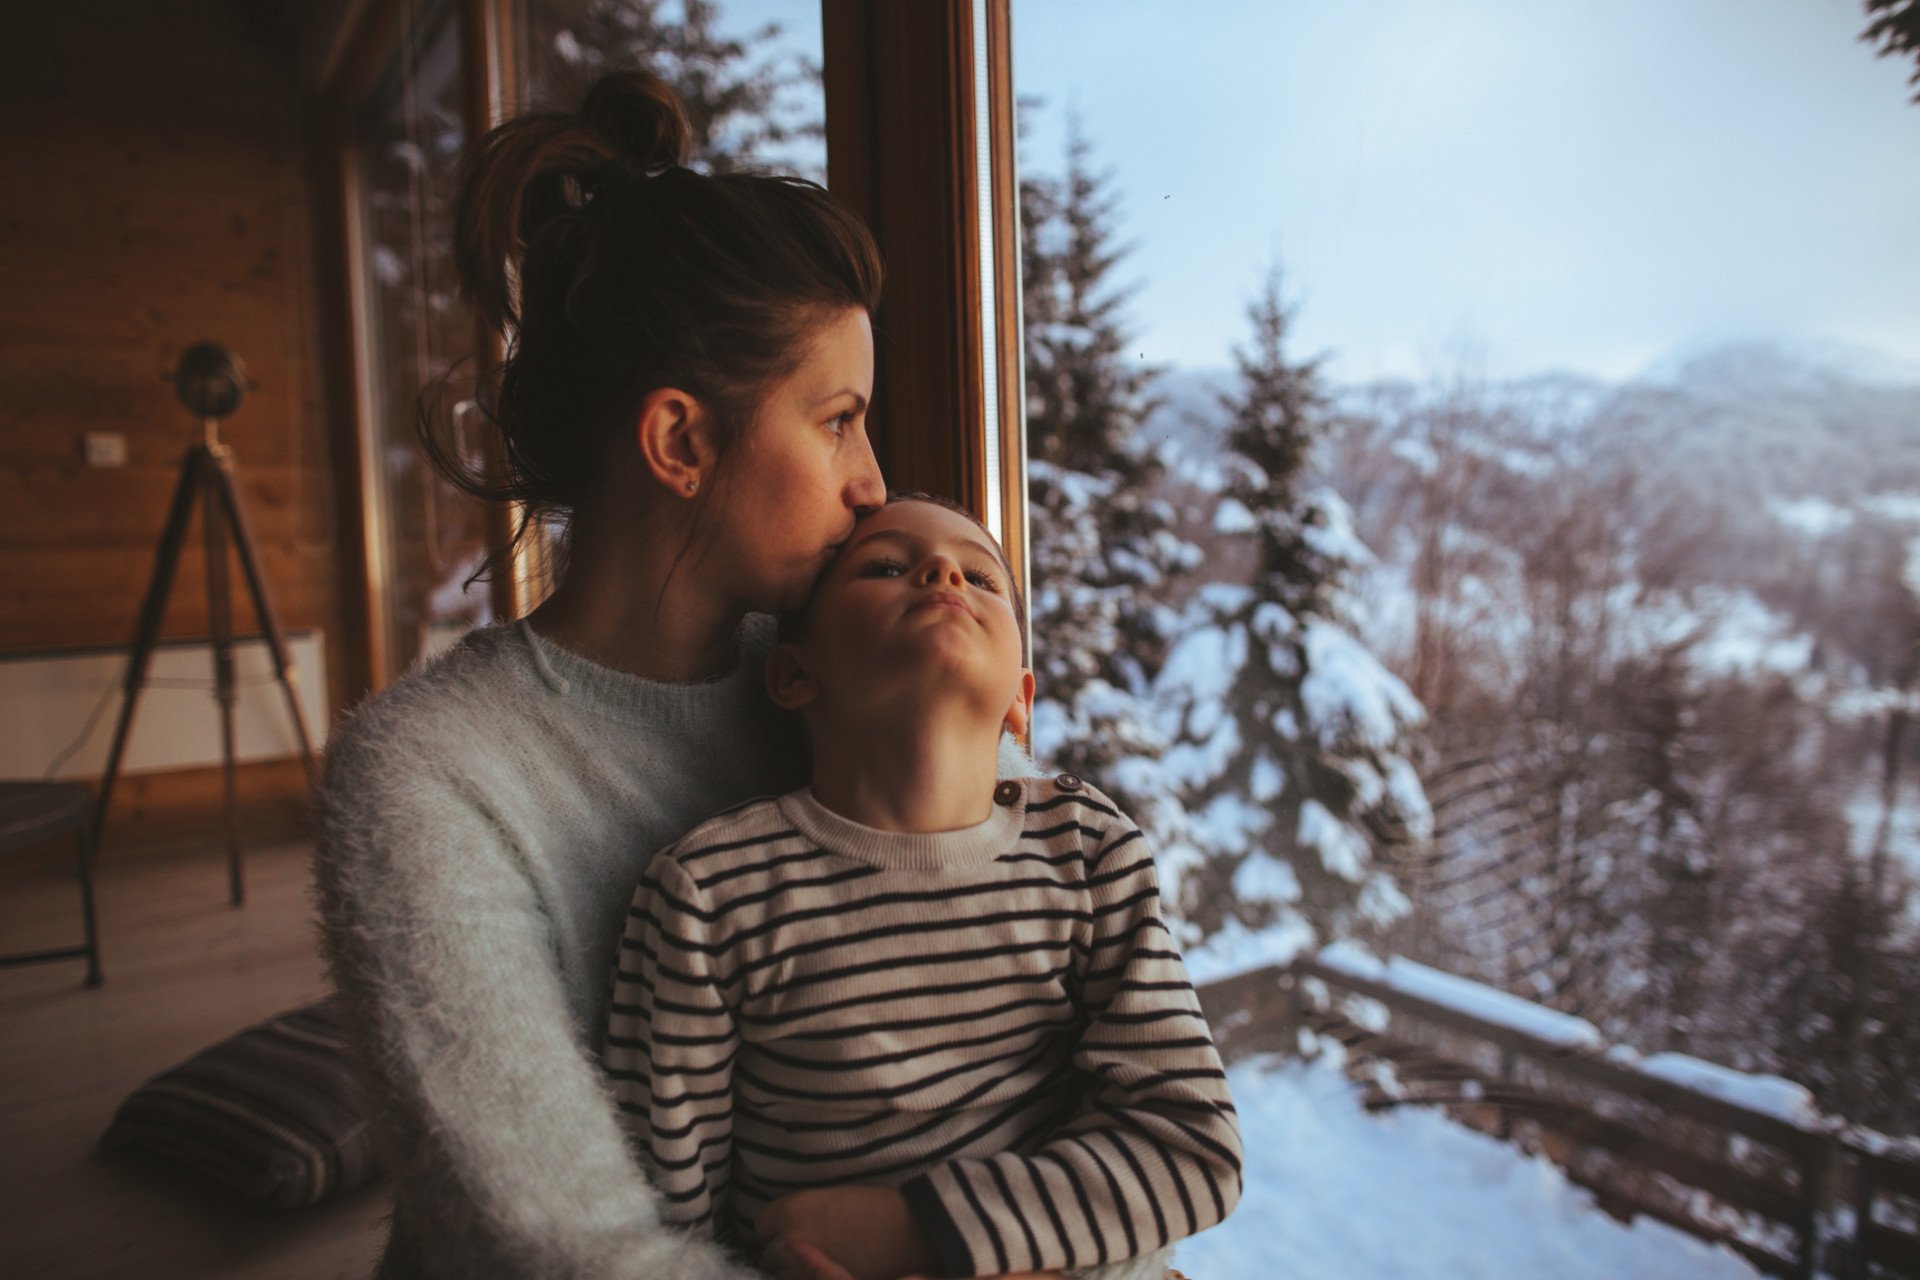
[789, 683]
[675, 434]
[1020, 714]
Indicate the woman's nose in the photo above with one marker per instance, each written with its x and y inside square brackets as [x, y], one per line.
[867, 489]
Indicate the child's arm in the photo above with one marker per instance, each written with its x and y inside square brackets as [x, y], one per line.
[671, 1042]
[1155, 1154]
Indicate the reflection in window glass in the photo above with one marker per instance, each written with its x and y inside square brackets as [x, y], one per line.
[435, 537]
[1476, 504]
[748, 72]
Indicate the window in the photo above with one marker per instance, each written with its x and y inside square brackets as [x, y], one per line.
[430, 539]
[1473, 474]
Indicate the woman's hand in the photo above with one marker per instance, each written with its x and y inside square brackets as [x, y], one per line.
[866, 1233]
[796, 1261]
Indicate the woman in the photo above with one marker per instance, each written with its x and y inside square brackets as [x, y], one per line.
[688, 385]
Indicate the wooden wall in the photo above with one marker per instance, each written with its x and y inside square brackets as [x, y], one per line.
[154, 192]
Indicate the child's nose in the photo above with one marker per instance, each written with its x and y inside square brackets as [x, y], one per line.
[941, 569]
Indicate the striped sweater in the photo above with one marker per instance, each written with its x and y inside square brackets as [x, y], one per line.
[994, 1020]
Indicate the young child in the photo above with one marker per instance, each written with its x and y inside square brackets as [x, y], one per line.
[919, 1020]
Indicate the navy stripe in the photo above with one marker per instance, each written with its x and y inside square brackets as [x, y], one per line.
[1054, 860]
[1072, 797]
[1119, 1199]
[1012, 1205]
[1002, 1264]
[1140, 1181]
[908, 961]
[684, 856]
[1043, 1197]
[1085, 1202]
[748, 868]
[912, 1051]
[941, 1020]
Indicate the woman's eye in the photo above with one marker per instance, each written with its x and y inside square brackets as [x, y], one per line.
[840, 424]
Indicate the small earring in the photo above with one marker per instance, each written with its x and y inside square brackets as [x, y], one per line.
[693, 487]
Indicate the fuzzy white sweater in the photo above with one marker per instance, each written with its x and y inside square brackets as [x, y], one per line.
[484, 822]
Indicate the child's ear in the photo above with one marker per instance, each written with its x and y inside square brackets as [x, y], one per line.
[1020, 714]
[789, 683]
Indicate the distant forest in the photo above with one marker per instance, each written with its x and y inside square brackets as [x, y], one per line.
[1595, 692]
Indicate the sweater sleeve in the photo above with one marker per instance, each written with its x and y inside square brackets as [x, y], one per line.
[671, 1044]
[1153, 1156]
[489, 1108]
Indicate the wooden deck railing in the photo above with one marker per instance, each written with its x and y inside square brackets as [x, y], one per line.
[1793, 1199]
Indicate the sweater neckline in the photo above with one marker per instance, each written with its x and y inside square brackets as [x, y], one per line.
[625, 696]
[906, 850]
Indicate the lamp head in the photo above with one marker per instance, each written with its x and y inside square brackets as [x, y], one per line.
[210, 380]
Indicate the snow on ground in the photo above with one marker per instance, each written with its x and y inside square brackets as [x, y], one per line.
[1337, 1194]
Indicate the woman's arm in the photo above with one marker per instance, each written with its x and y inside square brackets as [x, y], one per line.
[507, 1154]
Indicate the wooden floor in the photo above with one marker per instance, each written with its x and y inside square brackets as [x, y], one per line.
[183, 969]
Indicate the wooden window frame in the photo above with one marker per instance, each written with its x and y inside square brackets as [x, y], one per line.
[920, 142]
[904, 84]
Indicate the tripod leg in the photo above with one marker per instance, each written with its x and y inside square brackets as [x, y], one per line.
[263, 609]
[146, 630]
[86, 906]
[220, 626]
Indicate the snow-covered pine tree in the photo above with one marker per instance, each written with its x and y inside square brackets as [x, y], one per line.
[1102, 545]
[1293, 738]
[745, 106]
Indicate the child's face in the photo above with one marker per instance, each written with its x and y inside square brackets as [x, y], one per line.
[918, 595]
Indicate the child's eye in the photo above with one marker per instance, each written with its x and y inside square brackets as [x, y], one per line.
[882, 568]
[982, 579]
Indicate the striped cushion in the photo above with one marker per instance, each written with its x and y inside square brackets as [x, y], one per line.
[272, 1113]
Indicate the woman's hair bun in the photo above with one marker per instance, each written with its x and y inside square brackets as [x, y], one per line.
[528, 172]
[640, 117]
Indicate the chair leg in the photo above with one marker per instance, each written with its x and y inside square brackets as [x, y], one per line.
[94, 976]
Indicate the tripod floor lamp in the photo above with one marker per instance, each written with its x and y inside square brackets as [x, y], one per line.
[210, 382]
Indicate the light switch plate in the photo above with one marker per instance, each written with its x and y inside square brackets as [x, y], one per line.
[105, 449]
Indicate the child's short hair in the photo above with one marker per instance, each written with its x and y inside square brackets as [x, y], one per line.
[793, 623]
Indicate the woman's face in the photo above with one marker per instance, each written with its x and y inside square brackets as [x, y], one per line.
[801, 472]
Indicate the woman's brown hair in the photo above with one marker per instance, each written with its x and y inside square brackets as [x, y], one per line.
[617, 271]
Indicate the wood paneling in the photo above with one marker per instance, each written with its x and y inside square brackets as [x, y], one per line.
[155, 196]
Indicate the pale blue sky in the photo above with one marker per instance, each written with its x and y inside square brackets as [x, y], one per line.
[1579, 184]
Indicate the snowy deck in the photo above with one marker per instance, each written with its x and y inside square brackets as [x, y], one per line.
[1337, 1193]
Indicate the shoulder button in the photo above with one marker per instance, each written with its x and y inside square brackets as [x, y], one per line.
[1007, 793]
[1068, 782]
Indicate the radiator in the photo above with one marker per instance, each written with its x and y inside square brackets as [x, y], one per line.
[47, 696]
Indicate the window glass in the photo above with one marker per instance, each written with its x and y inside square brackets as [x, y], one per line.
[433, 538]
[1476, 503]
[748, 71]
